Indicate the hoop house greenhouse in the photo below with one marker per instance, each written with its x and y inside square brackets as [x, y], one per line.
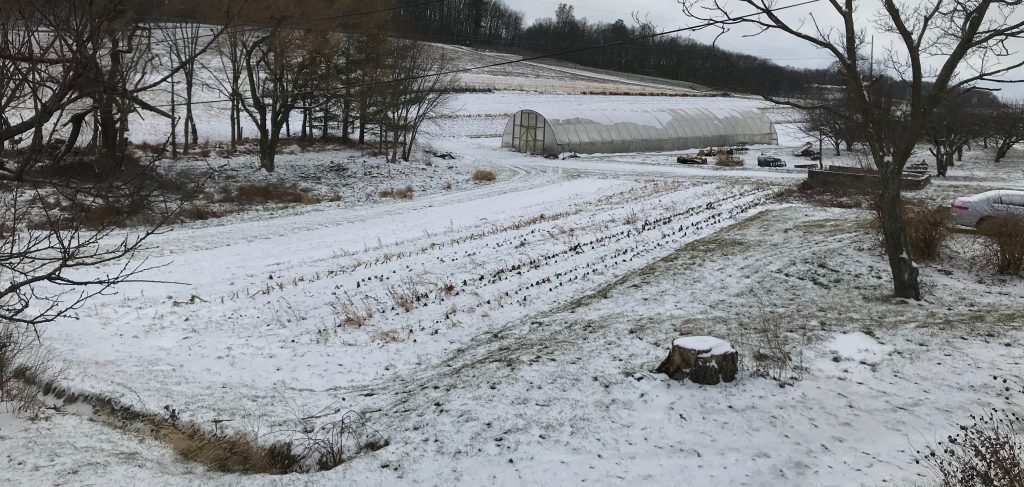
[636, 131]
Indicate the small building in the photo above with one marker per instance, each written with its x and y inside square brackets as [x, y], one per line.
[590, 132]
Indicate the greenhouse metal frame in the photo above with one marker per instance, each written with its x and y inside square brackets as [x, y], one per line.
[590, 132]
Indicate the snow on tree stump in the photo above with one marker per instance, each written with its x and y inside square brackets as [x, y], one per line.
[702, 359]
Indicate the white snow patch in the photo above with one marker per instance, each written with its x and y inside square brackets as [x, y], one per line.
[860, 347]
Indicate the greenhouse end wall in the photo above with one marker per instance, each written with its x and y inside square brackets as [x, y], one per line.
[531, 132]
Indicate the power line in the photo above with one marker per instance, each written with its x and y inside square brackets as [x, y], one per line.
[514, 61]
[297, 22]
[521, 60]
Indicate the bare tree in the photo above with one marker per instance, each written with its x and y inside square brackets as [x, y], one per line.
[835, 130]
[183, 40]
[231, 55]
[956, 122]
[1008, 128]
[414, 93]
[964, 39]
[45, 254]
[281, 68]
[87, 58]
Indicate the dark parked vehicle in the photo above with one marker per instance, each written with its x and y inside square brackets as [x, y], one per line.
[770, 161]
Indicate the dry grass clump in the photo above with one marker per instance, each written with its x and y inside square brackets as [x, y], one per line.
[228, 453]
[484, 175]
[855, 197]
[197, 213]
[116, 214]
[389, 336]
[150, 148]
[402, 193]
[724, 159]
[1006, 251]
[268, 192]
[352, 313]
[774, 351]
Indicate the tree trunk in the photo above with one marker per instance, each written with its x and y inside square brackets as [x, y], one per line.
[362, 127]
[267, 152]
[324, 132]
[346, 119]
[940, 160]
[894, 231]
[238, 123]
[305, 133]
[1002, 150]
[108, 128]
[234, 138]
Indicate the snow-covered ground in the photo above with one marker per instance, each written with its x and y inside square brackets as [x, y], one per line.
[504, 333]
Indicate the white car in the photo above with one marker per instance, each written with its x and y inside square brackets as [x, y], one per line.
[970, 211]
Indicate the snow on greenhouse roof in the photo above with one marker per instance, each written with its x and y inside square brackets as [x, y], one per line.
[635, 130]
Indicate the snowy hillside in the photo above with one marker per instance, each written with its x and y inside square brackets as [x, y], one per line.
[506, 332]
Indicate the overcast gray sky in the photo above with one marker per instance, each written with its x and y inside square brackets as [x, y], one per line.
[667, 14]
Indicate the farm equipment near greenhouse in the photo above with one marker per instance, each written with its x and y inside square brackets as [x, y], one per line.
[692, 160]
[807, 150]
[765, 160]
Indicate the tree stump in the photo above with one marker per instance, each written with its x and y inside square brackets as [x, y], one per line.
[702, 359]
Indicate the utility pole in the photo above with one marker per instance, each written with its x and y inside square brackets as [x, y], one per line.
[871, 65]
[174, 125]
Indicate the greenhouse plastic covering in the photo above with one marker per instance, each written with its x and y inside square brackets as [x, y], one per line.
[590, 132]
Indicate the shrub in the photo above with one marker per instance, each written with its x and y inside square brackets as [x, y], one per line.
[927, 229]
[772, 349]
[482, 175]
[1006, 252]
[328, 445]
[403, 193]
[23, 364]
[985, 453]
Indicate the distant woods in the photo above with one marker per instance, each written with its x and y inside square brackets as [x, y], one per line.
[491, 23]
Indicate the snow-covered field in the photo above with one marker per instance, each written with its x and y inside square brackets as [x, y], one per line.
[504, 333]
